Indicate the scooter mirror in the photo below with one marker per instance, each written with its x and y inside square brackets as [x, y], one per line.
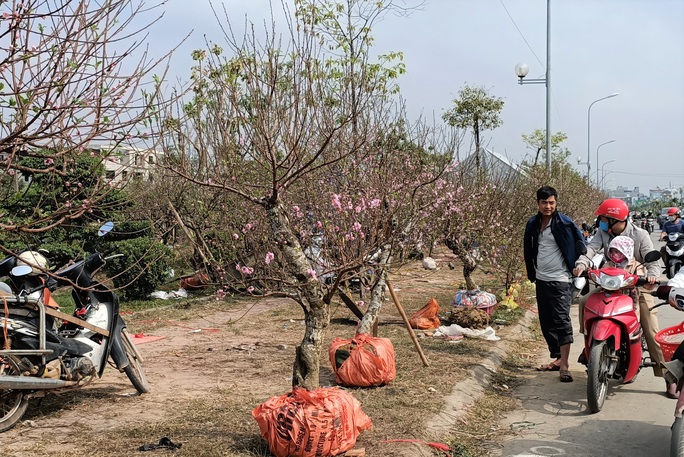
[21, 270]
[652, 256]
[105, 229]
[580, 247]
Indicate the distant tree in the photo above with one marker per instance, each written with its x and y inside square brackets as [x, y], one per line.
[477, 110]
[537, 141]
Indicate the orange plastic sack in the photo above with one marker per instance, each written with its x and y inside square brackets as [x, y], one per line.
[318, 423]
[363, 361]
[426, 317]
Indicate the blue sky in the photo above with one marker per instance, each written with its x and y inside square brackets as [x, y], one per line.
[598, 47]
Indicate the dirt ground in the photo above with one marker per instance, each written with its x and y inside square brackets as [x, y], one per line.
[236, 353]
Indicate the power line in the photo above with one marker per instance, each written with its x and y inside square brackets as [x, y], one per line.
[555, 104]
[663, 175]
[521, 35]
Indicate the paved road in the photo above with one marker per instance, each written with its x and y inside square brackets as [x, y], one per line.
[555, 421]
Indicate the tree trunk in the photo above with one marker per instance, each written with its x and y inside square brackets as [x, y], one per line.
[467, 271]
[476, 131]
[306, 367]
[468, 254]
[377, 293]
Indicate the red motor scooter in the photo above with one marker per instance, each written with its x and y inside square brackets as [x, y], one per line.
[613, 346]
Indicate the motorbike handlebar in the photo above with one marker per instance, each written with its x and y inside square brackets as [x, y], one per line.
[644, 280]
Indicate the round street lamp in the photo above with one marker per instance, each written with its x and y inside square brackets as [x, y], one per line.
[521, 70]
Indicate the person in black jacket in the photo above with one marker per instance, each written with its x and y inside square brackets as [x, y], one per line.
[550, 255]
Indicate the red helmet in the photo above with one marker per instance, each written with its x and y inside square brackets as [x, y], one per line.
[613, 208]
[673, 211]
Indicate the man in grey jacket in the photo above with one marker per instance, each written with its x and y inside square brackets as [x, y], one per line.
[613, 214]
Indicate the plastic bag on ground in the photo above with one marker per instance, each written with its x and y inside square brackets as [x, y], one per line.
[318, 423]
[426, 317]
[162, 295]
[456, 330]
[363, 361]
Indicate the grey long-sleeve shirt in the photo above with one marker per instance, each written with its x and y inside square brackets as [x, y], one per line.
[642, 246]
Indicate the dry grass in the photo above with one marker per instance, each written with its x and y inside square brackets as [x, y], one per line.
[218, 421]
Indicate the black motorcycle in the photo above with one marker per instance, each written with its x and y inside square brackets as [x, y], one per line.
[40, 356]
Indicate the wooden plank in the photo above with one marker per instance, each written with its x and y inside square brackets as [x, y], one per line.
[350, 304]
[75, 320]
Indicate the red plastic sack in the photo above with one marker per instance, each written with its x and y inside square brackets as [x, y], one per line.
[363, 361]
[426, 317]
[195, 282]
[318, 423]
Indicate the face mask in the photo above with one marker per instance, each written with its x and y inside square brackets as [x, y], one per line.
[604, 226]
[617, 257]
[671, 218]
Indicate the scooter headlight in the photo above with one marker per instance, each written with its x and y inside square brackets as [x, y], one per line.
[610, 282]
[673, 236]
[677, 253]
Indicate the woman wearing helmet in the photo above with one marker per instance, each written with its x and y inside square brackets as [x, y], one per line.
[614, 221]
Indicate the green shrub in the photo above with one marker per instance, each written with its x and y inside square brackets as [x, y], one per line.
[142, 268]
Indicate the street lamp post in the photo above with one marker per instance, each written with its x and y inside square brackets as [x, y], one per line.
[603, 174]
[521, 71]
[589, 134]
[598, 181]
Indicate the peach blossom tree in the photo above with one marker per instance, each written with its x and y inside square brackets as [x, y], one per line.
[301, 135]
[71, 77]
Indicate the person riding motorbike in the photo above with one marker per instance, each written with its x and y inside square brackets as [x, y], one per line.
[673, 224]
[614, 221]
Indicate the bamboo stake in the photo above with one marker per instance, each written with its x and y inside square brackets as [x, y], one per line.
[408, 324]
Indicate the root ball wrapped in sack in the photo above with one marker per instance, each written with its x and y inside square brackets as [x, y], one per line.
[322, 422]
[363, 361]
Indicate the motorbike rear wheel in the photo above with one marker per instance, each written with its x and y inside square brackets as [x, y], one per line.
[134, 370]
[597, 372]
[13, 403]
[677, 439]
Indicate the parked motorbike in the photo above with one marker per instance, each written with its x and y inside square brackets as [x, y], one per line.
[671, 341]
[41, 357]
[674, 246]
[613, 345]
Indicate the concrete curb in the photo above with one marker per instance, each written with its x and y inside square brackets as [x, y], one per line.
[466, 392]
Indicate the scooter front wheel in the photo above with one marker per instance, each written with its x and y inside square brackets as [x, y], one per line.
[134, 369]
[13, 403]
[597, 371]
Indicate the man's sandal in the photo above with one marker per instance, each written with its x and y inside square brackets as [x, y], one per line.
[553, 366]
[565, 376]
